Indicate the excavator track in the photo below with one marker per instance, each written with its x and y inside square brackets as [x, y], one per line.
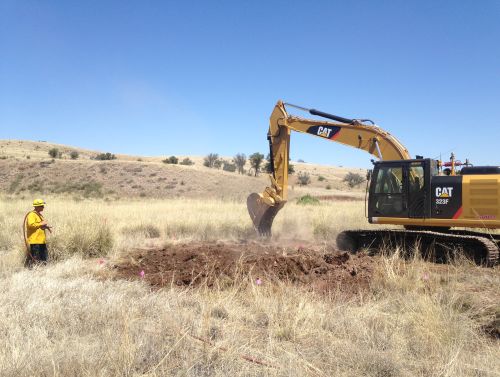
[440, 247]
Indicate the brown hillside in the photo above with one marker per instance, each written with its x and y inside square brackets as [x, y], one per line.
[27, 169]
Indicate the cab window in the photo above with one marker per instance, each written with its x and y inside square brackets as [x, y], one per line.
[389, 180]
[416, 177]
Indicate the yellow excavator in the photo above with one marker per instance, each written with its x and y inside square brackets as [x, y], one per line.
[428, 198]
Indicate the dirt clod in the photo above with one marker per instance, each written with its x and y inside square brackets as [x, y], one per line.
[192, 264]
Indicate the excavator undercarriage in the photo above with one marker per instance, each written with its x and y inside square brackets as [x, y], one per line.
[441, 247]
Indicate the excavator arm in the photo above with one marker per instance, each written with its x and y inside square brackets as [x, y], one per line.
[353, 132]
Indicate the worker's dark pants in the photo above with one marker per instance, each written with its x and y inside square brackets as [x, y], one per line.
[38, 255]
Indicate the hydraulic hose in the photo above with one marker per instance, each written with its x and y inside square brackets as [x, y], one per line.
[28, 251]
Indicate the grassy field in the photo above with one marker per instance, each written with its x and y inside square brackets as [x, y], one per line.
[72, 318]
[98, 228]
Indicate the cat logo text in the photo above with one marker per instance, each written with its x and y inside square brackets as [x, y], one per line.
[443, 194]
[324, 131]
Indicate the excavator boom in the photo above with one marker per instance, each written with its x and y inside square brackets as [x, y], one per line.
[356, 133]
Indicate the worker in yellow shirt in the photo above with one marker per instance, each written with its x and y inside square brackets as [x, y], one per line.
[35, 234]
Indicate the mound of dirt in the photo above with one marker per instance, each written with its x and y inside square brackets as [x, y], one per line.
[193, 264]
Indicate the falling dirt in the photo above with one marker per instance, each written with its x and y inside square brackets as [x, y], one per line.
[192, 264]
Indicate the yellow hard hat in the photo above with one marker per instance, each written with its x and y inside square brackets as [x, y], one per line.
[38, 203]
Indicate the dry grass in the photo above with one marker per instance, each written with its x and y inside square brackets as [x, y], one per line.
[96, 228]
[416, 319]
[65, 320]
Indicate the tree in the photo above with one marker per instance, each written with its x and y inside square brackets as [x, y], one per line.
[256, 161]
[353, 179]
[240, 160]
[54, 153]
[74, 155]
[171, 160]
[211, 160]
[303, 178]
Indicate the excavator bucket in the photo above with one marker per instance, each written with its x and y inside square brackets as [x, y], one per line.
[262, 214]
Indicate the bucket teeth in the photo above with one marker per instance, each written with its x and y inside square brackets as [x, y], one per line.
[262, 214]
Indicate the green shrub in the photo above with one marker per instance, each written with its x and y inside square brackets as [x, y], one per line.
[186, 161]
[171, 160]
[308, 199]
[54, 153]
[303, 178]
[353, 179]
[227, 166]
[74, 155]
[105, 156]
[321, 178]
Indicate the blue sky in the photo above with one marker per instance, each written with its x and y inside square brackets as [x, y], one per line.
[194, 77]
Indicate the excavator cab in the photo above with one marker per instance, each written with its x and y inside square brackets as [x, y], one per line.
[401, 188]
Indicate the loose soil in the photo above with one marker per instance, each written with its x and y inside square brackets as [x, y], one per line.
[219, 264]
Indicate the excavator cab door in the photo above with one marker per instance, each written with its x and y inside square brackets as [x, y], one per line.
[387, 191]
[417, 185]
[399, 189]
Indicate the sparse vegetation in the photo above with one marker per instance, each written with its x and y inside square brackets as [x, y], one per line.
[74, 155]
[218, 163]
[308, 199]
[14, 185]
[105, 156]
[171, 160]
[36, 186]
[212, 161]
[303, 178]
[328, 187]
[353, 179]
[228, 166]
[90, 189]
[55, 153]
[186, 161]
[321, 178]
